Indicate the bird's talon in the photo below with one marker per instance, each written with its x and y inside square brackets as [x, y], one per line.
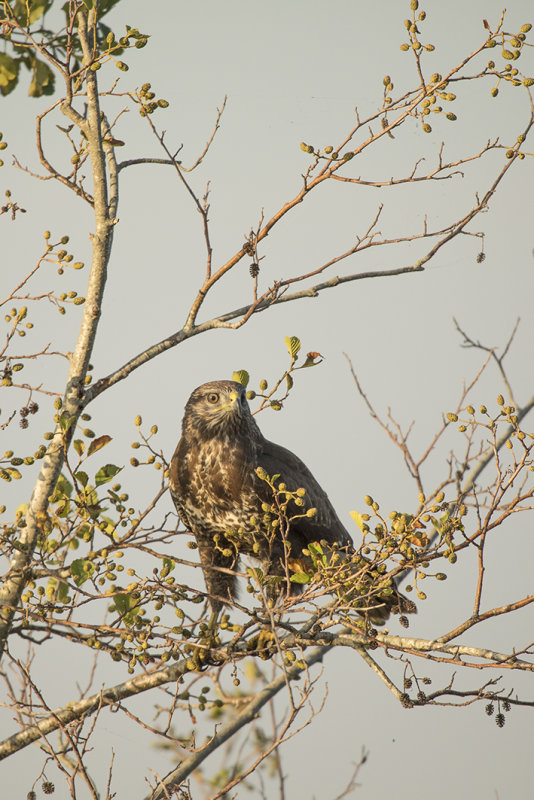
[263, 643]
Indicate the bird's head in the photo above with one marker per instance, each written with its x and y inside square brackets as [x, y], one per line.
[217, 408]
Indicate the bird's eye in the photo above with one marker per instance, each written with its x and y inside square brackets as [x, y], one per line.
[213, 397]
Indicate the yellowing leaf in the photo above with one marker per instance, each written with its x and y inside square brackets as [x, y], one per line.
[311, 359]
[62, 592]
[98, 444]
[36, 9]
[419, 539]
[251, 670]
[109, 524]
[51, 587]
[63, 509]
[9, 73]
[357, 517]
[42, 80]
[241, 376]
[293, 345]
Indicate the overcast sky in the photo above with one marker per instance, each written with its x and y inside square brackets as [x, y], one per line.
[294, 71]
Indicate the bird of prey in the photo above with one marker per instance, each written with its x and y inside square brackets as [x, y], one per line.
[223, 501]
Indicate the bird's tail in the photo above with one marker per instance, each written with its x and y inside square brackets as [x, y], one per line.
[359, 583]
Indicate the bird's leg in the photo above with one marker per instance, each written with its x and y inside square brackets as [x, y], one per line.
[220, 581]
[213, 625]
[264, 642]
[209, 625]
[208, 642]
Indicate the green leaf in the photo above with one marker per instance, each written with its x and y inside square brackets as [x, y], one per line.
[122, 603]
[169, 564]
[98, 444]
[257, 573]
[289, 381]
[241, 376]
[82, 477]
[317, 554]
[43, 80]
[63, 489]
[88, 497]
[439, 524]
[66, 421]
[36, 8]
[125, 605]
[9, 73]
[89, 503]
[83, 530]
[104, 6]
[62, 592]
[293, 346]
[79, 446]
[357, 517]
[300, 577]
[106, 473]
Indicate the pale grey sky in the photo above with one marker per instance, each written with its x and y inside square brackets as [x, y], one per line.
[293, 71]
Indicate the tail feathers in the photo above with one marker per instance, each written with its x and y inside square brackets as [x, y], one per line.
[362, 584]
[395, 603]
[353, 578]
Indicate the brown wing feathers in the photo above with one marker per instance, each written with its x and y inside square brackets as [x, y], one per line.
[216, 491]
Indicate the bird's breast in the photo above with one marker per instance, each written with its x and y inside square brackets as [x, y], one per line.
[211, 484]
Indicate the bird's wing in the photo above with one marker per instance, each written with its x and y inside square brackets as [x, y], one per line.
[278, 460]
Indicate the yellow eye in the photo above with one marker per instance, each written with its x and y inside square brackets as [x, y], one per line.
[213, 397]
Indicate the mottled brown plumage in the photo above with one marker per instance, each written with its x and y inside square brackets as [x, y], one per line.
[216, 491]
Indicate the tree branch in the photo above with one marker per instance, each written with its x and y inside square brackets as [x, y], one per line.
[18, 574]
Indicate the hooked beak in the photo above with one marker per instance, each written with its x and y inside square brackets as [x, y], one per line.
[232, 404]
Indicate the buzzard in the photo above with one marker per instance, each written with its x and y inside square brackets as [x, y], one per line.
[222, 499]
